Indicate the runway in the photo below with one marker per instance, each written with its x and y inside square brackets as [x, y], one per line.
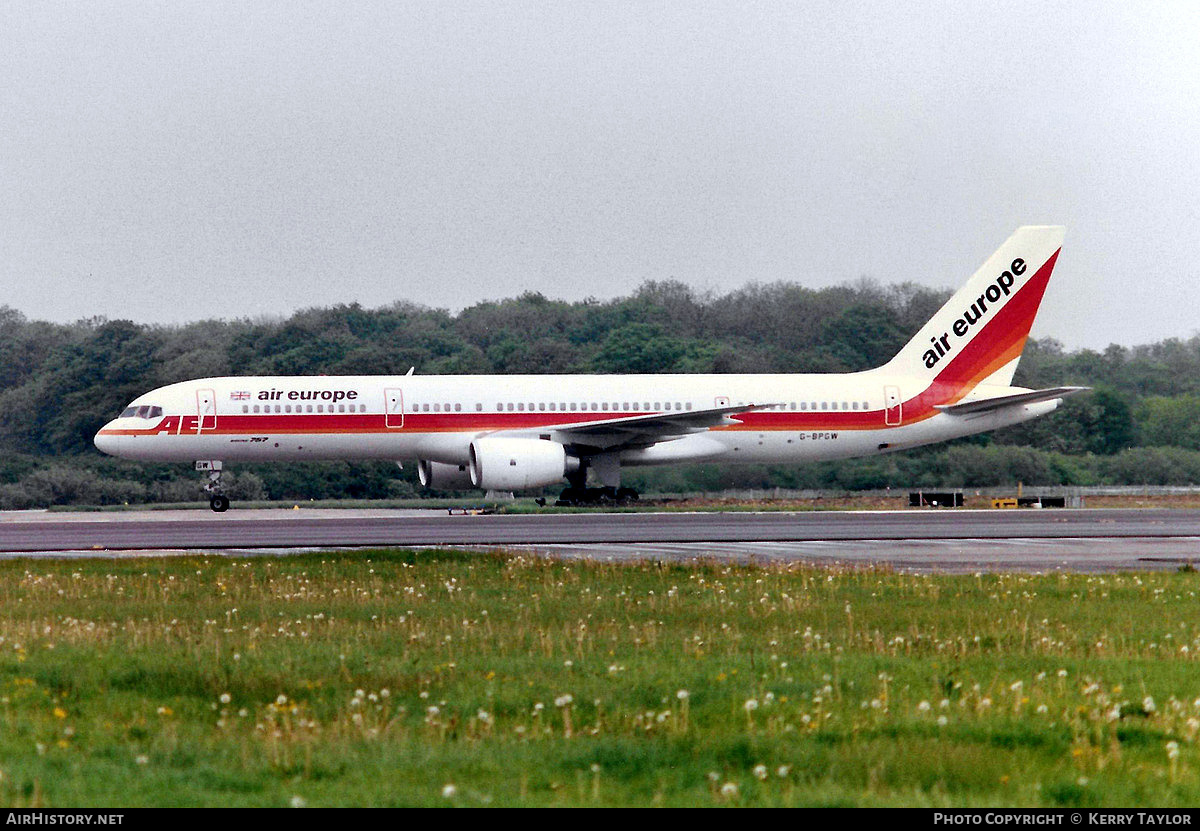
[1076, 540]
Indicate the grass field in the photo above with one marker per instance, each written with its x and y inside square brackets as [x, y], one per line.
[401, 678]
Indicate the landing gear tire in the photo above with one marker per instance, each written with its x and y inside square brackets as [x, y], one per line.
[570, 497]
[626, 495]
[219, 503]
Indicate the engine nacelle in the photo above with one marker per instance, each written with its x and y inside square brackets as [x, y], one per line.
[518, 464]
[444, 477]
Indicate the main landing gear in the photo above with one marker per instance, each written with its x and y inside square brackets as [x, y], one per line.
[217, 500]
[578, 494]
[596, 497]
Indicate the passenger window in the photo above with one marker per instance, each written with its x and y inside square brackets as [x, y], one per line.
[688, 406]
[479, 408]
[308, 408]
[824, 405]
[342, 408]
[604, 406]
[542, 406]
[866, 406]
[521, 406]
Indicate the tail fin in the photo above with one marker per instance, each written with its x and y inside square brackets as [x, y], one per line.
[977, 337]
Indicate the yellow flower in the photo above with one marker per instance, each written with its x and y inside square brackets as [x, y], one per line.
[59, 712]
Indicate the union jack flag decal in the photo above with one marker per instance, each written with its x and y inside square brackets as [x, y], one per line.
[240, 395]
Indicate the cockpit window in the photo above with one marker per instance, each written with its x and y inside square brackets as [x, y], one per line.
[144, 411]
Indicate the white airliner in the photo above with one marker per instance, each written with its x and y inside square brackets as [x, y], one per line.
[515, 432]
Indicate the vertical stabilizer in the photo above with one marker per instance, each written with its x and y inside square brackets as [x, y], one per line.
[978, 335]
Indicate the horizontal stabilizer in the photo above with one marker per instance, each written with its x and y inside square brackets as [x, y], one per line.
[987, 405]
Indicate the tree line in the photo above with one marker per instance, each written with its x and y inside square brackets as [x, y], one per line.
[60, 382]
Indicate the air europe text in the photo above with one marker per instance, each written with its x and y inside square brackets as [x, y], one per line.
[308, 395]
[1001, 287]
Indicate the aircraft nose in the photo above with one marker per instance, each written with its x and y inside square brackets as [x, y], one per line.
[106, 441]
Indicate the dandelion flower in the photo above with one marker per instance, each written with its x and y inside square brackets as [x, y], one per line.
[449, 791]
[760, 771]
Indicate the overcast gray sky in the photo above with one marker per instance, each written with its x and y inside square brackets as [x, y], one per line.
[172, 161]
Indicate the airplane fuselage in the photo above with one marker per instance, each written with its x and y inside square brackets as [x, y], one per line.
[806, 417]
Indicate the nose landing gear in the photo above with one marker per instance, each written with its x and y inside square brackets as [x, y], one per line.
[217, 500]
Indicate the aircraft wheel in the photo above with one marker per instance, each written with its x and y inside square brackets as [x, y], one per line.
[569, 497]
[219, 503]
[625, 495]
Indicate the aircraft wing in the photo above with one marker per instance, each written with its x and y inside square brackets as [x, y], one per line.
[644, 430]
[987, 405]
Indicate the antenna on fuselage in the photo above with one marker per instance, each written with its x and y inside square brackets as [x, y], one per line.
[410, 371]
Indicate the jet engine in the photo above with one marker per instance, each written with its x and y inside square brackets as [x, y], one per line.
[444, 477]
[518, 464]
